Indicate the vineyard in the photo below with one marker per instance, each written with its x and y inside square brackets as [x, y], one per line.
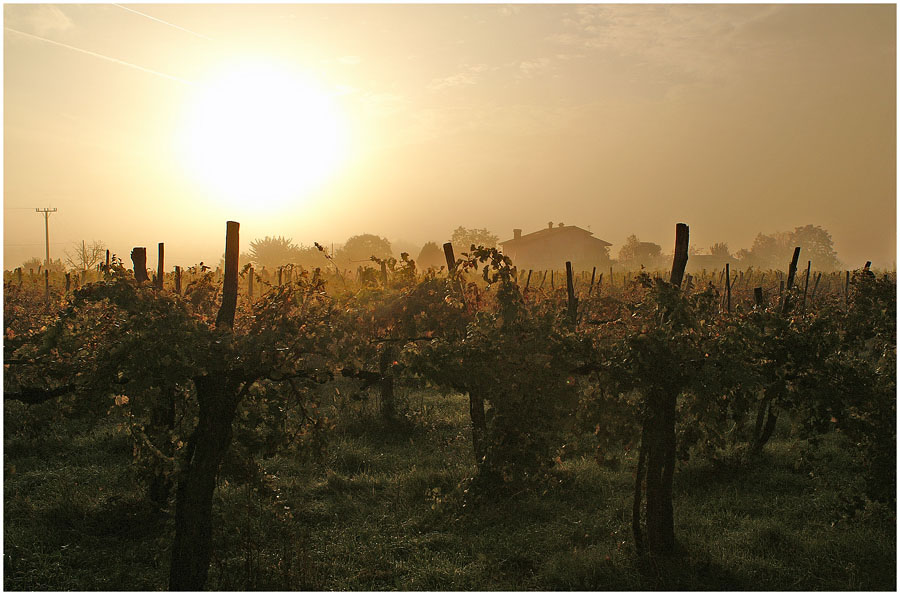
[472, 427]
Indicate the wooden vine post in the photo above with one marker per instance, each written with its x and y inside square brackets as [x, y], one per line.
[250, 283]
[727, 287]
[806, 284]
[572, 301]
[178, 280]
[448, 255]
[160, 267]
[766, 417]
[476, 401]
[792, 272]
[217, 396]
[656, 460]
[139, 259]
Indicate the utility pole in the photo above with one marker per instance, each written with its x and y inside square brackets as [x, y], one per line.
[46, 212]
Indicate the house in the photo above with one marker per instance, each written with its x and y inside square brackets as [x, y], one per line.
[551, 247]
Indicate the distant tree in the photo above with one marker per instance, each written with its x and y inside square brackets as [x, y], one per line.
[462, 239]
[86, 256]
[36, 264]
[273, 252]
[634, 252]
[629, 248]
[363, 247]
[431, 255]
[311, 257]
[720, 249]
[816, 245]
[774, 251]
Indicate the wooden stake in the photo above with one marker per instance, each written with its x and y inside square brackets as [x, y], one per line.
[594, 272]
[815, 285]
[758, 296]
[225, 318]
[178, 280]
[250, 284]
[679, 262]
[806, 284]
[727, 287]
[451, 260]
[160, 267]
[139, 259]
[528, 280]
[570, 293]
[792, 271]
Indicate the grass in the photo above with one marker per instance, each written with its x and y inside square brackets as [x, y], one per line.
[384, 511]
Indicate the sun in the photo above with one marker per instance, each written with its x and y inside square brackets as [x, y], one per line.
[259, 134]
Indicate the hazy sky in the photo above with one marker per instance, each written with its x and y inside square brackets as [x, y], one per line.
[410, 120]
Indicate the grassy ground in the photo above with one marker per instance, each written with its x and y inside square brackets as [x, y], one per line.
[383, 511]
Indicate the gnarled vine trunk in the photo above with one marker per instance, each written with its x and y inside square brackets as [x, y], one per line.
[197, 482]
[217, 397]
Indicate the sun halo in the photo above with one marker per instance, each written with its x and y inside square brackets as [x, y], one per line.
[258, 134]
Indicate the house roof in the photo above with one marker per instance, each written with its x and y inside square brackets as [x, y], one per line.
[548, 231]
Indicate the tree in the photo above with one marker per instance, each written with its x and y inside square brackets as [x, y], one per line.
[636, 252]
[87, 256]
[774, 251]
[816, 245]
[362, 248]
[720, 249]
[463, 239]
[273, 252]
[431, 255]
[36, 264]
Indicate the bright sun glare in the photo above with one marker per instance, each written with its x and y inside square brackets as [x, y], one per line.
[259, 134]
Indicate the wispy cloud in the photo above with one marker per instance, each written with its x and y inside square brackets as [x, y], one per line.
[383, 104]
[696, 40]
[529, 68]
[469, 75]
[38, 19]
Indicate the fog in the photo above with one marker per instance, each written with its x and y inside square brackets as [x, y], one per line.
[621, 120]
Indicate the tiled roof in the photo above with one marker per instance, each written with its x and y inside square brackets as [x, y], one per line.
[548, 231]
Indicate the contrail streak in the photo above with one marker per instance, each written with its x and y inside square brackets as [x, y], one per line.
[102, 57]
[200, 35]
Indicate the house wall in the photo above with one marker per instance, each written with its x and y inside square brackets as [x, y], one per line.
[552, 252]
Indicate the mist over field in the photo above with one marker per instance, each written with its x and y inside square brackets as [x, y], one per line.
[318, 123]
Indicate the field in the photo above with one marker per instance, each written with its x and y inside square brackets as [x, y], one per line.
[381, 511]
[466, 431]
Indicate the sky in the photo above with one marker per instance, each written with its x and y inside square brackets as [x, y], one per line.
[159, 122]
